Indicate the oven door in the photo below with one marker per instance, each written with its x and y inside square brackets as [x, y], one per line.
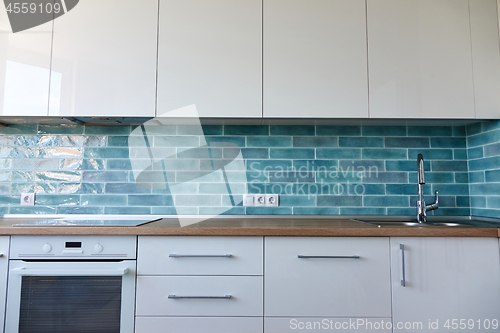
[70, 296]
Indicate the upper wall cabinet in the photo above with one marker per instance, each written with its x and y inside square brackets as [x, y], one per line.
[315, 59]
[104, 59]
[420, 62]
[210, 56]
[485, 57]
[24, 66]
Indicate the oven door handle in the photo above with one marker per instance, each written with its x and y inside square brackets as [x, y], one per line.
[69, 272]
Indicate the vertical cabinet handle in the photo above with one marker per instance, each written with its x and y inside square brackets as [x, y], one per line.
[402, 247]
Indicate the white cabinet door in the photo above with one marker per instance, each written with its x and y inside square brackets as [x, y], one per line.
[210, 56]
[239, 296]
[419, 59]
[445, 278]
[178, 255]
[485, 57]
[327, 277]
[24, 67]
[315, 59]
[4, 263]
[104, 59]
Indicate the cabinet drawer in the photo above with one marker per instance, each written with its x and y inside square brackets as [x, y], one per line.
[199, 296]
[285, 325]
[200, 255]
[330, 277]
[197, 325]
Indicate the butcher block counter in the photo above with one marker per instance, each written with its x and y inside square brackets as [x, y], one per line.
[263, 226]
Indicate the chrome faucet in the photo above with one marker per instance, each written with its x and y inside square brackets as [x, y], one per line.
[422, 208]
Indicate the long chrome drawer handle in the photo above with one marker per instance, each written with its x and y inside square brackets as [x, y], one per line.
[173, 255]
[327, 257]
[202, 297]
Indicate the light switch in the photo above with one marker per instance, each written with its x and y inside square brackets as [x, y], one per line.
[248, 200]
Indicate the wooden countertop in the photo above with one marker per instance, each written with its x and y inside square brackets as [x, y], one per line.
[305, 227]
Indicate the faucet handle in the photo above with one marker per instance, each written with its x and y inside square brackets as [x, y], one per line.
[434, 205]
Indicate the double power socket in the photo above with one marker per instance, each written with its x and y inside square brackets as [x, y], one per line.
[261, 200]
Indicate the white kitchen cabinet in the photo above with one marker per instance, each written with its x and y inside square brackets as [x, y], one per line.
[315, 59]
[420, 59]
[485, 58]
[327, 277]
[198, 324]
[4, 264]
[445, 279]
[210, 56]
[24, 69]
[199, 296]
[200, 284]
[104, 59]
[187, 255]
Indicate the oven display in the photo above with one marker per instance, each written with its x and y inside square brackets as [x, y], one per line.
[70, 245]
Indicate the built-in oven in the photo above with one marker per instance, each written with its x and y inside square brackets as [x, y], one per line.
[76, 284]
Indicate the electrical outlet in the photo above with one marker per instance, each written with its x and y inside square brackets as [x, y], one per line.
[28, 199]
[260, 200]
[248, 200]
[272, 200]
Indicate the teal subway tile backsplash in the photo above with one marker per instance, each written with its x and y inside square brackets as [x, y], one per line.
[316, 211]
[338, 130]
[315, 141]
[291, 154]
[246, 130]
[384, 154]
[492, 149]
[431, 131]
[431, 154]
[400, 142]
[384, 131]
[484, 169]
[292, 130]
[338, 153]
[361, 142]
[268, 141]
[448, 143]
[317, 170]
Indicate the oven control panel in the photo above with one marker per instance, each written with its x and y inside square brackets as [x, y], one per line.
[72, 247]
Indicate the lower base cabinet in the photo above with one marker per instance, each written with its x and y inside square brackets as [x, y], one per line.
[343, 277]
[4, 264]
[304, 324]
[445, 284]
[198, 324]
[199, 296]
[319, 284]
[200, 285]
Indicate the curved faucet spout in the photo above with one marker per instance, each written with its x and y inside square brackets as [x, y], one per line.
[420, 165]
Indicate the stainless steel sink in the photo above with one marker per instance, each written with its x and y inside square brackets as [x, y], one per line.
[416, 224]
[436, 221]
